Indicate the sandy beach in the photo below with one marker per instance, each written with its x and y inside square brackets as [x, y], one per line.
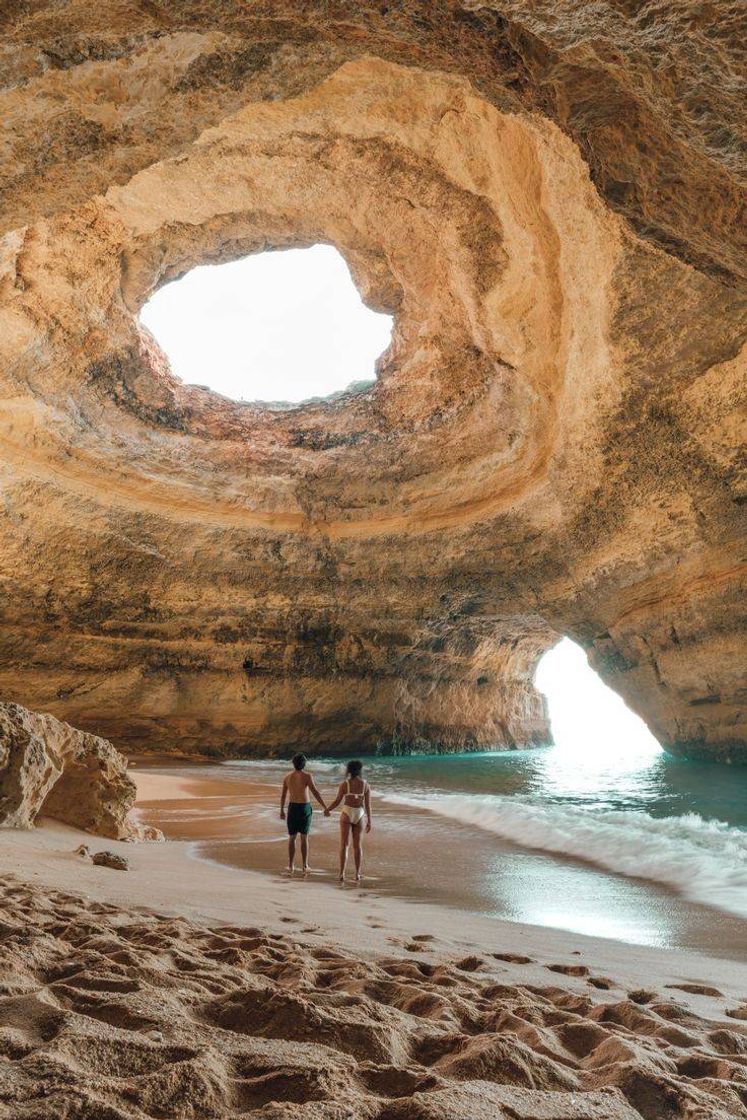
[181, 988]
[372, 425]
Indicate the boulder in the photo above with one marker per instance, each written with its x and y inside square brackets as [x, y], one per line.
[48, 767]
[111, 859]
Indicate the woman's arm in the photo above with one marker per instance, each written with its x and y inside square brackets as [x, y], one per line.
[338, 799]
[367, 803]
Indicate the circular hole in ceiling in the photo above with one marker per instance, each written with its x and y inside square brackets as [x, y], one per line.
[277, 327]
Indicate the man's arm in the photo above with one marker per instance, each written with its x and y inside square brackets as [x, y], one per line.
[367, 803]
[317, 794]
[283, 796]
[338, 799]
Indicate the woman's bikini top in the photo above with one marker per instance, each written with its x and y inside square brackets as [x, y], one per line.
[357, 796]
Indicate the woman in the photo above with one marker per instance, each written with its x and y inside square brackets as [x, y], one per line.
[355, 794]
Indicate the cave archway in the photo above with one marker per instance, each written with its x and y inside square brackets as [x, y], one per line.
[587, 717]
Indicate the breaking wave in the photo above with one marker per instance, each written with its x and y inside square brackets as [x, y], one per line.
[704, 860]
[315, 765]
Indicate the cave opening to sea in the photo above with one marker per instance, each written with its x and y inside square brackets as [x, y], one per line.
[278, 327]
[586, 717]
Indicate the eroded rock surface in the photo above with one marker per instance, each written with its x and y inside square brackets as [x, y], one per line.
[548, 202]
[48, 767]
[113, 860]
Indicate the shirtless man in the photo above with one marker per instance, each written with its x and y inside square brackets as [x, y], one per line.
[296, 789]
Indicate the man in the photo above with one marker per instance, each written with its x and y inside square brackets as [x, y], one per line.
[297, 785]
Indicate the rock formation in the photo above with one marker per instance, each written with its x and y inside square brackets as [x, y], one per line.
[113, 860]
[547, 198]
[49, 768]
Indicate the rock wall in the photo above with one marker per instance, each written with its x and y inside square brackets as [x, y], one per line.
[553, 442]
[49, 768]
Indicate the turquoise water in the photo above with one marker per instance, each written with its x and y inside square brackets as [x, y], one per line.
[603, 833]
[646, 782]
[643, 781]
[656, 826]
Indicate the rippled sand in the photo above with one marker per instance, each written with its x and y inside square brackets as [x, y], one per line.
[108, 1014]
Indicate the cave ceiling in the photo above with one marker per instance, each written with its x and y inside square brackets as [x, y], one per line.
[547, 200]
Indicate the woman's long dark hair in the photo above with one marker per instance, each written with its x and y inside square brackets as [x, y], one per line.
[354, 768]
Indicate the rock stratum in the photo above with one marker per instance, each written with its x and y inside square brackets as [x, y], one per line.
[49, 768]
[548, 199]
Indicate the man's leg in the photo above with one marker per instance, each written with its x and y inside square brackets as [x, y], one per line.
[291, 852]
[305, 851]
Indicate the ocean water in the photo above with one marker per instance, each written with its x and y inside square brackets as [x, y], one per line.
[632, 844]
[603, 834]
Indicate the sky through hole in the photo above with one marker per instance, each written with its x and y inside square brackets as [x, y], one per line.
[277, 326]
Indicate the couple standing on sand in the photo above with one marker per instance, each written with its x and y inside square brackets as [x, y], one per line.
[355, 795]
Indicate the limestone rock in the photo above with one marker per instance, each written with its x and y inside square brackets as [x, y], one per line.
[548, 199]
[111, 859]
[48, 767]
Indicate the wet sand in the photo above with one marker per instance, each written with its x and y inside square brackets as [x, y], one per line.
[234, 822]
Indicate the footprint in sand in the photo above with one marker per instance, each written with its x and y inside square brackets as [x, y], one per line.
[469, 964]
[696, 988]
[641, 995]
[568, 969]
[602, 982]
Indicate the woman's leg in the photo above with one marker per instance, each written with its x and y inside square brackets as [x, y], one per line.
[358, 848]
[344, 838]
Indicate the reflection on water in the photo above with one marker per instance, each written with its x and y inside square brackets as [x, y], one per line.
[515, 834]
[470, 830]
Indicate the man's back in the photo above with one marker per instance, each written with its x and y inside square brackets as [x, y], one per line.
[297, 782]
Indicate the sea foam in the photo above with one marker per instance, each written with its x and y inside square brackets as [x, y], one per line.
[703, 860]
[314, 765]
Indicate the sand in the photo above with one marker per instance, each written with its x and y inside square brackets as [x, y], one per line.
[178, 989]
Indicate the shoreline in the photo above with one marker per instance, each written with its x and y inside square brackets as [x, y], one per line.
[230, 822]
[166, 877]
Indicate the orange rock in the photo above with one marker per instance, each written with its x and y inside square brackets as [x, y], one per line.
[48, 767]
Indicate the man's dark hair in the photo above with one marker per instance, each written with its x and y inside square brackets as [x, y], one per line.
[299, 761]
[354, 768]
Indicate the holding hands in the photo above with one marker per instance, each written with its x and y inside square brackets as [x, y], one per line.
[354, 794]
